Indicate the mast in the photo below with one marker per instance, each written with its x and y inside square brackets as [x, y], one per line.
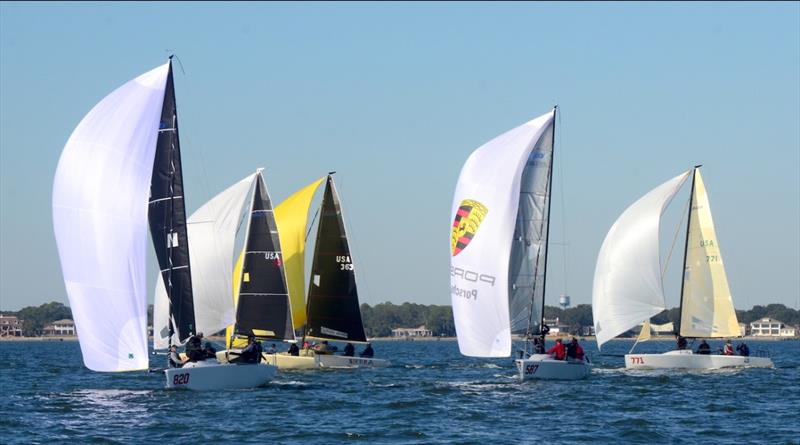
[167, 216]
[686, 247]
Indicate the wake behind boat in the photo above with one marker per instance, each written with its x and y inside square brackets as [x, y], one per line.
[120, 168]
[628, 286]
[498, 246]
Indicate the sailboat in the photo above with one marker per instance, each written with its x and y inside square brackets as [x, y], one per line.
[331, 311]
[263, 308]
[498, 246]
[628, 281]
[120, 168]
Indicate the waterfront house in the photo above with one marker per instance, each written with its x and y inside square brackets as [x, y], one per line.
[65, 327]
[768, 327]
[10, 326]
[421, 331]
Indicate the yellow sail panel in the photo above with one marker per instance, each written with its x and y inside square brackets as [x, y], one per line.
[237, 282]
[292, 218]
[644, 335]
[707, 309]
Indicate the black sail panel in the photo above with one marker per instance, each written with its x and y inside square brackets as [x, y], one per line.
[167, 216]
[263, 305]
[333, 311]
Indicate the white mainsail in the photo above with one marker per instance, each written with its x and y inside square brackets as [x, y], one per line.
[100, 195]
[485, 206]
[707, 309]
[627, 281]
[529, 248]
[212, 233]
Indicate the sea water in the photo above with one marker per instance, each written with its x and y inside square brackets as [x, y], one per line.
[430, 394]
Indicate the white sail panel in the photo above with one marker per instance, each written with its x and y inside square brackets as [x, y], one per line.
[212, 233]
[627, 279]
[485, 209]
[100, 194]
[529, 247]
[707, 309]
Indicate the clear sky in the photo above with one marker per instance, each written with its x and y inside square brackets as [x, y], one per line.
[396, 96]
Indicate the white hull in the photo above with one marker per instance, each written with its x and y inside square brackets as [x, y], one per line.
[209, 375]
[542, 366]
[341, 361]
[686, 359]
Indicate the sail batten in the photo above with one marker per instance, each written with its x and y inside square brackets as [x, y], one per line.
[102, 239]
[486, 206]
[627, 287]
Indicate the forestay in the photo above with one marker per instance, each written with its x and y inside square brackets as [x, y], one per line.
[707, 309]
[485, 212]
[212, 233]
[627, 280]
[100, 196]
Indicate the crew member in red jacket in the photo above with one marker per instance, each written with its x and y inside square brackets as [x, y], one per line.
[558, 351]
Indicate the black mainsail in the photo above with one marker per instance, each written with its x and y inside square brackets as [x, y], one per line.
[167, 216]
[333, 311]
[263, 306]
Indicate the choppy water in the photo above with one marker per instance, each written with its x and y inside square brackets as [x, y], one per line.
[430, 394]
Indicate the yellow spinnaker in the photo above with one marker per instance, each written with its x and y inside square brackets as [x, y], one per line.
[292, 218]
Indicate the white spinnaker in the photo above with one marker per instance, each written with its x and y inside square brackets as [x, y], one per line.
[212, 233]
[707, 309]
[479, 273]
[100, 194]
[627, 279]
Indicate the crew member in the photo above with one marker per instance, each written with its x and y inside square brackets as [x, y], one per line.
[175, 360]
[574, 350]
[728, 348]
[558, 351]
[743, 350]
[367, 352]
[194, 348]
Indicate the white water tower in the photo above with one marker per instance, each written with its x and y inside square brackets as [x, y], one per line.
[563, 301]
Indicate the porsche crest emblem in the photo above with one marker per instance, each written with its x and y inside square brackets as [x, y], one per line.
[468, 218]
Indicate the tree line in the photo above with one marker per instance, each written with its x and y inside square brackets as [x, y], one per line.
[379, 320]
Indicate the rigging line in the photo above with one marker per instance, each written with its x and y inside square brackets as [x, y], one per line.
[563, 205]
[354, 253]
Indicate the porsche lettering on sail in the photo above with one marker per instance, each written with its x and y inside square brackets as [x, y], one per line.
[468, 218]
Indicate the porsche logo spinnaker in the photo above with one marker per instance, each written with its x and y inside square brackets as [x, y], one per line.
[468, 218]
